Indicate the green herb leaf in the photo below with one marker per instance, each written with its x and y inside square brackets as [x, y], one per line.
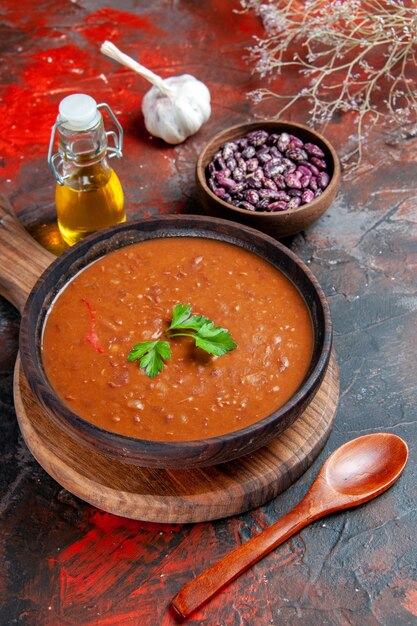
[180, 313]
[151, 355]
[182, 318]
[210, 338]
[195, 322]
[214, 339]
[140, 349]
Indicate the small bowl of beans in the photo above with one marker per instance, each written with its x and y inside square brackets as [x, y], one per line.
[278, 177]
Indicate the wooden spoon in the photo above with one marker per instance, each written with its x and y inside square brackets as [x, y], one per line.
[356, 472]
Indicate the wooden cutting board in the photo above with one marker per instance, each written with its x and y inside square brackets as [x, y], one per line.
[178, 496]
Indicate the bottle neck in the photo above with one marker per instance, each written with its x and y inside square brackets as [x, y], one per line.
[82, 147]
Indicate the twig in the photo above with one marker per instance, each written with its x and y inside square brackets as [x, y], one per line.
[357, 56]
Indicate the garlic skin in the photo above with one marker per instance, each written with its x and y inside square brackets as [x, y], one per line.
[176, 108]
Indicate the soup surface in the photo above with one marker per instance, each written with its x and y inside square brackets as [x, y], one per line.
[127, 297]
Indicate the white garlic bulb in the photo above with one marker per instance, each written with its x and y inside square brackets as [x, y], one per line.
[179, 111]
[174, 108]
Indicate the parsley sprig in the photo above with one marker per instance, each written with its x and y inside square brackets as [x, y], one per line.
[151, 355]
[208, 337]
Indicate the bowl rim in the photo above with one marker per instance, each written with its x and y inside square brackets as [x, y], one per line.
[133, 447]
[246, 127]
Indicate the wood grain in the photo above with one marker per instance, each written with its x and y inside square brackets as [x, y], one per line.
[22, 259]
[178, 496]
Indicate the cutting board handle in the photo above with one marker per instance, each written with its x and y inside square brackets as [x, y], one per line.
[22, 259]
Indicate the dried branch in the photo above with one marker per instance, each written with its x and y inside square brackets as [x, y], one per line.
[354, 55]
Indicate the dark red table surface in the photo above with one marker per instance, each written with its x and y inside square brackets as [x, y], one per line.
[65, 562]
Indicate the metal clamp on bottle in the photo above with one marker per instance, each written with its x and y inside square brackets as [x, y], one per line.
[82, 118]
[115, 150]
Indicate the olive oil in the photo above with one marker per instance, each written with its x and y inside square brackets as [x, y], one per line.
[91, 200]
[88, 193]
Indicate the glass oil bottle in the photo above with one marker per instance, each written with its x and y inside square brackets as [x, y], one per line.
[88, 193]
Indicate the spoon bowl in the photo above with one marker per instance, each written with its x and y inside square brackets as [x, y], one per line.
[355, 473]
[367, 466]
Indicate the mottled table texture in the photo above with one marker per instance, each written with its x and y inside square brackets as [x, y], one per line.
[65, 563]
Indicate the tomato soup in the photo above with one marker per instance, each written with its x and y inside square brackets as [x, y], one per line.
[128, 296]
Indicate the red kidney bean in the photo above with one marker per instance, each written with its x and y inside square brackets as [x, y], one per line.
[222, 194]
[295, 142]
[252, 196]
[280, 205]
[293, 180]
[263, 155]
[238, 174]
[249, 152]
[313, 184]
[289, 165]
[245, 205]
[241, 163]
[221, 163]
[279, 180]
[314, 150]
[268, 193]
[323, 179]
[307, 196]
[294, 203]
[304, 170]
[319, 163]
[275, 170]
[239, 187]
[268, 172]
[212, 184]
[223, 181]
[296, 154]
[223, 174]
[259, 174]
[313, 169]
[275, 152]
[305, 180]
[231, 163]
[270, 184]
[273, 164]
[263, 205]
[282, 195]
[257, 137]
[283, 141]
[252, 165]
[253, 182]
[228, 150]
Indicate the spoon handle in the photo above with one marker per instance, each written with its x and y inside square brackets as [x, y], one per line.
[209, 582]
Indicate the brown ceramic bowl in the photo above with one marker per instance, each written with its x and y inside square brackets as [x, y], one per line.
[277, 224]
[159, 453]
